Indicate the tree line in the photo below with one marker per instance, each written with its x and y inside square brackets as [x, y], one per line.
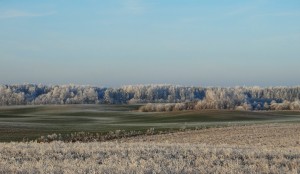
[164, 97]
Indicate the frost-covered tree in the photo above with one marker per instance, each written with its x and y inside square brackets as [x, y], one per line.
[250, 98]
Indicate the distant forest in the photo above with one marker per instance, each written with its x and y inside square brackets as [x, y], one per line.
[158, 97]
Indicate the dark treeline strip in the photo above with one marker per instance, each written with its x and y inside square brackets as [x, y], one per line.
[245, 98]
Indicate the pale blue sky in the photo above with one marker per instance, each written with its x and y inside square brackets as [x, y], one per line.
[120, 42]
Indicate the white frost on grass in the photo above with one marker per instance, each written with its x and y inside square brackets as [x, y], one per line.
[113, 157]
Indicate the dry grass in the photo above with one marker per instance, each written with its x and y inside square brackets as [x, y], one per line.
[270, 135]
[247, 149]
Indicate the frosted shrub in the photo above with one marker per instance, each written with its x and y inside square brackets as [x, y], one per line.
[150, 131]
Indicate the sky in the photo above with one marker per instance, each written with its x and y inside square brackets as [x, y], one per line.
[122, 42]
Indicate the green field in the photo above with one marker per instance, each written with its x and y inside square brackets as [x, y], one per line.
[31, 122]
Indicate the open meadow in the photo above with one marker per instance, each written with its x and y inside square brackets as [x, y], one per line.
[266, 148]
[224, 142]
[31, 122]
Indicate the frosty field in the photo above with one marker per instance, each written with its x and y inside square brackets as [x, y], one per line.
[31, 122]
[225, 142]
[265, 148]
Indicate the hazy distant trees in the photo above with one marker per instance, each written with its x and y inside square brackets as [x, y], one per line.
[163, 97]
[10, 95]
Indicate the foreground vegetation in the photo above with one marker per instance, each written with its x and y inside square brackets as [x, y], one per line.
[165, 154]
[18, 123]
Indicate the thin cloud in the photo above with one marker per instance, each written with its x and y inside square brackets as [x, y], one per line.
[239, 11]
[134, 6]
[283, 14]
[18, 14]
